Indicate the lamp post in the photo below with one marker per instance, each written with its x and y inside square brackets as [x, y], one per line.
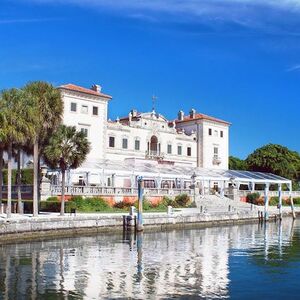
[193, 186]
[139, 226]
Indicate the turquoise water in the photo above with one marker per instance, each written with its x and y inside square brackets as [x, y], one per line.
[238, 262]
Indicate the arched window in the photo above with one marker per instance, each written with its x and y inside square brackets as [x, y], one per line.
[154, 144]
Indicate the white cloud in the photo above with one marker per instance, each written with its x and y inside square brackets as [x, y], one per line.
[195, 7]
[14, 21]
[246, 13]
[293, 68]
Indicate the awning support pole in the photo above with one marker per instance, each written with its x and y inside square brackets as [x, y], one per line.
[266, 201]
[280, 201]
[292, 200]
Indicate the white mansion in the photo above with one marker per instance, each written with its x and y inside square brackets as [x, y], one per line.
[170, 155]
[189, 141]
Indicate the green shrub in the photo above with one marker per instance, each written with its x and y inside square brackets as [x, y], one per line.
[91, 204]
[146, 204]
[52, 199]
[174, 204]
[122, 205]
[166, 201]
[274, 201]
[50, 206]
[182, 200]
[253, 198]
[26, 176]
[297, 201]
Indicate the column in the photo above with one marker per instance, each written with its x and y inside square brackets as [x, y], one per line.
[222, 189]
[199, 150]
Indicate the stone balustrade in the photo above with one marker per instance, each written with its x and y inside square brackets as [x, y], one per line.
[120, 191]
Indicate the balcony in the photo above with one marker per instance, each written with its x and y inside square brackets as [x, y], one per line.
[217, 160]
[152, 154]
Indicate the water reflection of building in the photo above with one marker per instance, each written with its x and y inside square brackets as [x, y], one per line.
[183, 262]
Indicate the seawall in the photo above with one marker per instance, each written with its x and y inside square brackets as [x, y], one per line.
[43, 227]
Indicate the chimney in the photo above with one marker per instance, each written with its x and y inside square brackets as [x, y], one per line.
[133, 113]
[180, 115]
[192, 113]
[97, 88]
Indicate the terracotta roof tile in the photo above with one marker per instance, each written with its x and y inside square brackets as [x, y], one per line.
[202, 117]
[76, 88]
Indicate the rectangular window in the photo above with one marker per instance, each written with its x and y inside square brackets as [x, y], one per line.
[209, 131]
[124, 143]
[216, 133]
[169, 149]
[189, 151]
[73, 106]
[216, 152]
[84, 109]
[179, 150]
[95, 111]
[221, 134]
[84, 131]
[111, 142]
[137, 145]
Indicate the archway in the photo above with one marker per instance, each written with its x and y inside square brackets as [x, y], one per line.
[154, 144]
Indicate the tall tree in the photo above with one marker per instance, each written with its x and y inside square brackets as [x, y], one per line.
[67, 149]
[14, 129]
[236, 163]
[47, 99]
[275, 159]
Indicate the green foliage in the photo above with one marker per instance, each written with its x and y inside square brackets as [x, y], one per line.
[50, 206]
[67, 148]
[122, 205]
[296, 201]
[253, 198]
[182, 200]
[52, 199]
[236, 163]
[166, 201]
[273, 201]
[46, 100]
[89, 204]
[26, 177]
[275, 159]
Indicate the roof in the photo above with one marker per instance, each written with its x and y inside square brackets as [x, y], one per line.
[202, 117]
[76, 88]
[152, 169]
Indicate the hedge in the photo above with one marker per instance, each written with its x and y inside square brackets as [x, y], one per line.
[26, 176]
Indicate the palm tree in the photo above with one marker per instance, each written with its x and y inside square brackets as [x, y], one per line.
[14, 129]
[47, 99]
[2, 148]
[67, 149]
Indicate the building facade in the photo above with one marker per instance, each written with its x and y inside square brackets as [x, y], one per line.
[194, 140]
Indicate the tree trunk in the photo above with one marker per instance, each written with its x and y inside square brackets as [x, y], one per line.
[19, 181]
[63, 183]
[9, 171]
[1, 173]
[35, 178]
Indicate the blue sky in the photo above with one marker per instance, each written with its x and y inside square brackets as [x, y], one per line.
[238, 60]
